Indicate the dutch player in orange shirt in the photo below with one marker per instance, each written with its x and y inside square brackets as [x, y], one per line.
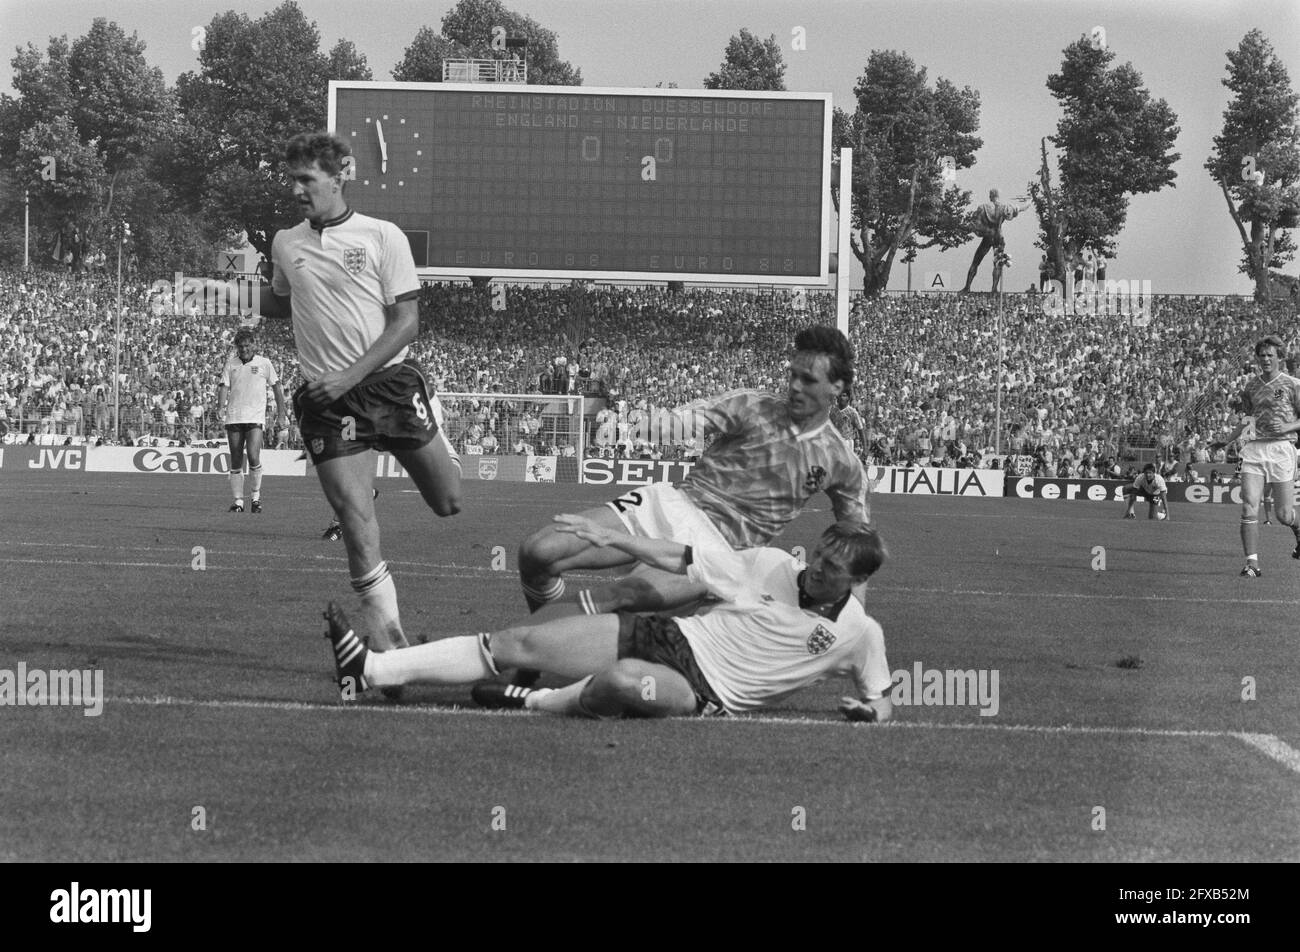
[777, 626]
[770, 455]
[349, 284]
[1270, 405]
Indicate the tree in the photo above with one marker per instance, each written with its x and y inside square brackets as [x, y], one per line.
[750, 63]
[260, 82]
[44, 91]
[119, 101]
[1256, 158]
[422, 61]
[1114, 142]
[347, 65]
[902, 133]
[82, 139]
[479, 28]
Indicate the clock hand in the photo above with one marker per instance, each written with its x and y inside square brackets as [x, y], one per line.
[383, 147]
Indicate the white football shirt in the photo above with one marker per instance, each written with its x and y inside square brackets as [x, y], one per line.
[246, 385]
[757, 646]
[340, 278]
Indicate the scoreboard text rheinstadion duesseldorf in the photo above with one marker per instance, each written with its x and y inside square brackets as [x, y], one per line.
[518, 181]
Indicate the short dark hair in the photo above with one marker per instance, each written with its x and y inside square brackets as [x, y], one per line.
[824, 339]
[243, 334]
[308, 147]
[863, 549]
[1149, 468]
[1272, 340]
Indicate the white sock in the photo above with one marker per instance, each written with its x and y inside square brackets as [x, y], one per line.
[237, 486]
[379, 603]
[566, 700]
[537, 597]
[449, 661]
[255, 472]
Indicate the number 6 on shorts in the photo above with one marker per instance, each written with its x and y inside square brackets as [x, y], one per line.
[421, 410]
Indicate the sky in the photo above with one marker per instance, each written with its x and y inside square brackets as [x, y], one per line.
[1182, 239]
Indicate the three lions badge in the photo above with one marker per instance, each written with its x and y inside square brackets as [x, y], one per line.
[820, 641]
[354, 259]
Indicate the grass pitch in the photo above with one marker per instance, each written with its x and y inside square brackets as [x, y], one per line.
[1120, 694]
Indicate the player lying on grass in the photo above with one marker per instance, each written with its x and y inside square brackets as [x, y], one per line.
[779, 626]
[1150, 486]
[769, 456]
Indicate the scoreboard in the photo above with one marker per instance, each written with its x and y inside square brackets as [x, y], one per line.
[517, 181]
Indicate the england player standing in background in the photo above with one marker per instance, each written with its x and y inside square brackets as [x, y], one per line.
[241, 403]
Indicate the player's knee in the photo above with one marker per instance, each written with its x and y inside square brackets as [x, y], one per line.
[445, 503]
[515, 647]
[537, 552]
[613, 691]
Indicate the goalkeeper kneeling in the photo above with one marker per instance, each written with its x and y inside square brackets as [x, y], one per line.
[1150, 486]
[777, 625]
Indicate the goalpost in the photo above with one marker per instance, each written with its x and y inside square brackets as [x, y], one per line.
[520, 423]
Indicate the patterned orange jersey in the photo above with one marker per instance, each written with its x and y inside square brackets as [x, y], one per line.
[1273, 403]
[760, 470]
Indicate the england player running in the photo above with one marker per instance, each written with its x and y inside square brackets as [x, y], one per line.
[1151, 486]
[778, 626]
[1270, 405]
[770, 455]
[241, 402]
[349, 283]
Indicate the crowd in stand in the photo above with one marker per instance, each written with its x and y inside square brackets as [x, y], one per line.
[1077, 390]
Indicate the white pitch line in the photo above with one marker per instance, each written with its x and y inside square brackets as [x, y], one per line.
[459, 571]
[1274, 747]
[1268, 744]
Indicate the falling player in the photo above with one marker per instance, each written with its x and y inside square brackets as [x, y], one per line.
[349, 283]
[770, 455]
[1151, 486]
[1270, 405]
[778, 626]
[241, 402]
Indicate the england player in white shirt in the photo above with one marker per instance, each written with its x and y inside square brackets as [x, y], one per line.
[779, 626]
[348, 282]
[241, 403]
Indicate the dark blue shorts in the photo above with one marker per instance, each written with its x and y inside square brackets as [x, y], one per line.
[657, 639]
[389, 410]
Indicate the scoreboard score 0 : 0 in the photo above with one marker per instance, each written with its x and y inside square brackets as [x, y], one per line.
[509, 180]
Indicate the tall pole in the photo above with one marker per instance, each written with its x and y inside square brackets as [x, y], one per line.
[997, 423]
[27, 229]
[843, 244]
[117, 343]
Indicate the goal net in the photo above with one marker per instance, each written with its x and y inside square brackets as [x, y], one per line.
[517, 424]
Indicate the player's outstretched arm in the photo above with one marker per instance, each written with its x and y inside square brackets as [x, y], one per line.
[875, 711]
[659, 553]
